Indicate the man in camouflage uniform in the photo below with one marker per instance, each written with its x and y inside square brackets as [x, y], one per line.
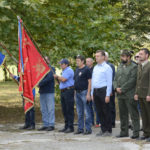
[124, 85]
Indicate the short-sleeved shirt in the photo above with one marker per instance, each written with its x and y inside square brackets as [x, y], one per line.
[68, 74]
[81, 78]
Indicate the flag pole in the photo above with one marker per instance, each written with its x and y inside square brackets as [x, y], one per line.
[33, 40]
[35, 44]
[10, 73]
[4, 47]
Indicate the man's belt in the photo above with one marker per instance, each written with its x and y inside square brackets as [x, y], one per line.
[79, 91]
[70, 87]
[102, 88]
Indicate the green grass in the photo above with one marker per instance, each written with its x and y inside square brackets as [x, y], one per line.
[11, 109]
[10, 96]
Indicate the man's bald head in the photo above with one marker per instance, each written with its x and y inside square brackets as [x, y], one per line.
[89, 62]
[106, 56]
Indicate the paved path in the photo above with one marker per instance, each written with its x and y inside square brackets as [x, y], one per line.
[13, 139]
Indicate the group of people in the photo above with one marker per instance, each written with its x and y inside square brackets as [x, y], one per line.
[132, 85]
[93, 90]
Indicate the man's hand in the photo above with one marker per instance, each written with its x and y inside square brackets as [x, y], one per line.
[88, 97]
[148, 98]
[136, 97]
[55, 76]
[118, 90]
[92, 98]
[11, 75]
[107, 99]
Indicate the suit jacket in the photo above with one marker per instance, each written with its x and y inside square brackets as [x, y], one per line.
[143, 81]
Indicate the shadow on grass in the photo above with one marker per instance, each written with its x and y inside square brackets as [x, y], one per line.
[16, 115]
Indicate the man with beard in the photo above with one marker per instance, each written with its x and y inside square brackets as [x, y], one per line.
[124, 85]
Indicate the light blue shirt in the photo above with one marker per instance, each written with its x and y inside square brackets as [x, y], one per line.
[101, 77]
[68, 74]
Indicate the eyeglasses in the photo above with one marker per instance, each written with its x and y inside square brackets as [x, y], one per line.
[136, 57]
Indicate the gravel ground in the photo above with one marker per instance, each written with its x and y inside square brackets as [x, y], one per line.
[11, 138]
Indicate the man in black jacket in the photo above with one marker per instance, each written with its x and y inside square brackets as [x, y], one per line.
[47, 102]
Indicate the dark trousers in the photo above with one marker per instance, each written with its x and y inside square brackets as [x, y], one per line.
[67, 103]
[145, 114]
[113, 109]
[103, 109]
[30, 117]
[128, 106]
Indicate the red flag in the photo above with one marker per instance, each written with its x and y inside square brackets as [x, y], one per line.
[34, 69]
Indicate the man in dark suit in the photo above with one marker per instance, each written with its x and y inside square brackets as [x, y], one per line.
[143, 91]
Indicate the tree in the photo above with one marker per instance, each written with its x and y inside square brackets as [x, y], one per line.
[66, 28]
[136, 21]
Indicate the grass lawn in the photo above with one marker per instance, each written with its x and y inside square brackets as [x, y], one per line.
[11, 109]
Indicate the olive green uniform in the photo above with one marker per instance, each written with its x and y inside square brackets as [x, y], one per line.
[143, 90]
[126, 80]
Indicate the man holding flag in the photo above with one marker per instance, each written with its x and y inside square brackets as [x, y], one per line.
[30, 115]
[31, 69]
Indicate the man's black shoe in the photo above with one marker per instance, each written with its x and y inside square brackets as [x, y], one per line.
[134, 137]
[121, 136]
[130, 126]
[69, 130]
[43, 129]
[87, 132]
[141, 129]
[31, 128]
[24, 127]
[62, 130]
[50, 128]
[78, 132]
[113, 126]
[148, 140]
[143, 138]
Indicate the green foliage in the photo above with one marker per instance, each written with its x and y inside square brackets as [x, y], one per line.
[136, 21]
[65, 28]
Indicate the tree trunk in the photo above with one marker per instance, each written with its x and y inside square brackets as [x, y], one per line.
[5, 74]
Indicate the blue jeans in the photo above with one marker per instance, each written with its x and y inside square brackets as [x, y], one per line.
[83, 107]
[47, 103]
